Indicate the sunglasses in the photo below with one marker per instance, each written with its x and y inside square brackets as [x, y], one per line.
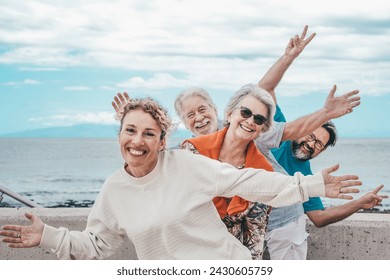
[247, 113]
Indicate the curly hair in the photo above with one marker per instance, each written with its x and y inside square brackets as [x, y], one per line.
[150, 106]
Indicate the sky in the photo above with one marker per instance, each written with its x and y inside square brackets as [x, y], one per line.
[62, 62]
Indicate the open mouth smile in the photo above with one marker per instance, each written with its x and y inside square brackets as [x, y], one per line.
[202, 125]
[247, 129]
[135, 152]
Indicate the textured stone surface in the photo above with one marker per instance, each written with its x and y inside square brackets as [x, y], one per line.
[72, 218]
[360, 237]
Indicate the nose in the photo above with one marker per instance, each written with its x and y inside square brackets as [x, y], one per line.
[138, 139]
[310, 144]
[198, 117]
[250, 120]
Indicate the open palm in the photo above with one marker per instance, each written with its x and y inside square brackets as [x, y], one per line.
[23, 236]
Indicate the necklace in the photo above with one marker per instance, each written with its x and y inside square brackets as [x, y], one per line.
[241, 166]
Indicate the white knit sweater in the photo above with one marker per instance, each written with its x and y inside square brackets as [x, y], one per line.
[169, 213]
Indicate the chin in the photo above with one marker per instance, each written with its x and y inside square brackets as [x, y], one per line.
[299, 155]
[204, 131]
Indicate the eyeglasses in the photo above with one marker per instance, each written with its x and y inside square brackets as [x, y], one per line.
[317, 143]
[247, 113]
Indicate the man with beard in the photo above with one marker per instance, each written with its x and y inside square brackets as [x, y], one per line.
[294, 156]
[287, 237]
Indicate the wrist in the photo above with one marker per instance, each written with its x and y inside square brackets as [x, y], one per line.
[325, 115]
[356, 205]
[288, 59]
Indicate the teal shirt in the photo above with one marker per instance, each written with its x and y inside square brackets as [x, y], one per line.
[285, 158]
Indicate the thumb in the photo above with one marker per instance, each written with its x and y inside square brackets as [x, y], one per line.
[30, 216]
[332, 169]
[290, 44]
[332, 91]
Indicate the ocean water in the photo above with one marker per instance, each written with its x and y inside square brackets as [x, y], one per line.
[70, 172]
[52, 172]
[368, 158]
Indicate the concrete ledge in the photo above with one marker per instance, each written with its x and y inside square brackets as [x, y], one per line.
[363, 236]
[360, 237]
[72, 218]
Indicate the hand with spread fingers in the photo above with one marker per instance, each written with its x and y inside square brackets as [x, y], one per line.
[297, 44]
[23, 236]
[119, 103]
[371, 199]
[339, 186]
[338, 106]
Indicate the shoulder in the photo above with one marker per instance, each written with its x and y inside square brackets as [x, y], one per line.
[271, 138]
[178, 156]
[279, 116]
[189, 147]
[113, 180]
[184, 163]
[203, 138]
[185, 157]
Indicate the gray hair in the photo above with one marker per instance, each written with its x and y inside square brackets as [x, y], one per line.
[331, 129]
[192, 92]
[259, 93]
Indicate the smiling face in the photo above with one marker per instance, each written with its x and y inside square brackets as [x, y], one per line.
[199, 116]
[305, 147]
[245, 128]
[140, 142]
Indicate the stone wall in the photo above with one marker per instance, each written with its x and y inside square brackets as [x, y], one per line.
[362, 236]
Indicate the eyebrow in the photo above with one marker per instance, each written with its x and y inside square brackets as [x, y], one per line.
[132, 125]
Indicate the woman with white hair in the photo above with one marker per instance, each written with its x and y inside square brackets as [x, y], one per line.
[249, 113]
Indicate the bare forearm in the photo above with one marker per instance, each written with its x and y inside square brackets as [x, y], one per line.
[275, 74]
[305, 125]
[333, 214]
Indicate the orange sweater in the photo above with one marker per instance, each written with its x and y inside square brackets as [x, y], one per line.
[210, 146]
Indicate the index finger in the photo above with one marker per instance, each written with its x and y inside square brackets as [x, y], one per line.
[307, 41]
[351, 93]
[377, 189]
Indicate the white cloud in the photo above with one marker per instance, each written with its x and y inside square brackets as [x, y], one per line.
[80, 118]
[158, 81]
[25, 82]
[31, 82]
[39, 69]
[10, 84]
[215, 44]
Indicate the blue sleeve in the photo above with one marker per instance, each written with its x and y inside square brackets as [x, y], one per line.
[314, 203]
[279, 117]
